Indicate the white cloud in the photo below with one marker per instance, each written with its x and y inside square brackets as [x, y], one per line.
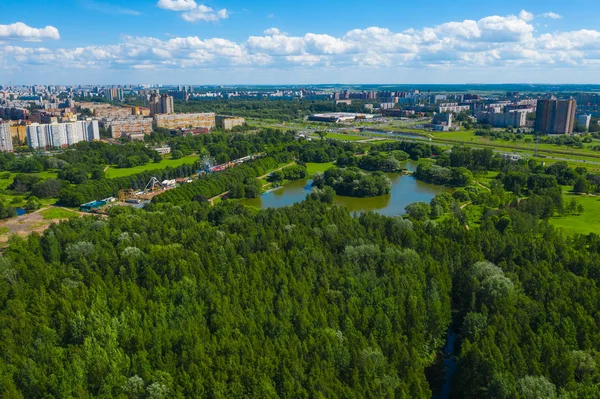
[552, 15]
[526, 16]
[21, 31]
[193, 12]
[204, 13]
[177, 5]
[272, 31]
[508, 42]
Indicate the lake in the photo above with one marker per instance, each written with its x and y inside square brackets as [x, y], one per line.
[405, 190]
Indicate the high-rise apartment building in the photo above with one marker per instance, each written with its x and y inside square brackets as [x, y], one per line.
[114, 94]
[5, 138]
[161, 104]
[555, 116]
[62, 134]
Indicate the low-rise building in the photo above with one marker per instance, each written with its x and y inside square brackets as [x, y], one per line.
[163, 150]
[229, 122]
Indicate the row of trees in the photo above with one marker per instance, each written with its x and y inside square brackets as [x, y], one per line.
[218, 183]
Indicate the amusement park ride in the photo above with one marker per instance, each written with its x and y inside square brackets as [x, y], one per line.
[155, 187]
[149, 191]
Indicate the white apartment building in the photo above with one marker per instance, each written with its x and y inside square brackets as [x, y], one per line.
[62, 134]
[5, 138]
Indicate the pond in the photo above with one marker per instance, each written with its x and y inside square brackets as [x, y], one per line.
[405, 190]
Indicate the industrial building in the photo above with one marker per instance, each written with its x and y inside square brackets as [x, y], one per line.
[183, 121]
[62, 134]
[555, 116]
[339, 117]
[229, 122]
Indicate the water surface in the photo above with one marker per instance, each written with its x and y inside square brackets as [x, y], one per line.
[405, 190]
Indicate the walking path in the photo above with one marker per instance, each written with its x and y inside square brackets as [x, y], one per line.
[212, 200]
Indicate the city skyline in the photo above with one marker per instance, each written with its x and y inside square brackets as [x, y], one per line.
[229, 42]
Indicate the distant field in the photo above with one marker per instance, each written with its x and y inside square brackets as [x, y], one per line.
[113, 172]
[468, 137]
[585, 223]
[348, 137]
[312, 167]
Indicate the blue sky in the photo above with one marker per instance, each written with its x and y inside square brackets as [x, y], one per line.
[279, 42]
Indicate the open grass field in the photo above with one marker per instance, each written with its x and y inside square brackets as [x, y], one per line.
[312, 168]
[347, 137]
[113, 172]
[57, 213]
[468, 137]
[587, 222]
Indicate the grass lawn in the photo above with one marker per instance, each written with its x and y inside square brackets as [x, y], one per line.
[4, 230]
[348, 137]
[312, 167]
[585, 223]
[113, 172]
[57, 213]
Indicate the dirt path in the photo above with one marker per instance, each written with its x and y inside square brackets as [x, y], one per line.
[106, 168]
[481, 185]
[25, 224]
[278, 169]
[212, 200]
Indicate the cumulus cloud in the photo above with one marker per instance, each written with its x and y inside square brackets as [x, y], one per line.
[526, 16]
[204, 13]
[177, 5]
[21, 31]
[193, 12]
[490, 42]
[272, 31]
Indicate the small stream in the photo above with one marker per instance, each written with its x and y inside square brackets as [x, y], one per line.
[441, 383]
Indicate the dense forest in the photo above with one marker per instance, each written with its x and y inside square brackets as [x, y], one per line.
[284, 110]
[181, 299]
[305, 301]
